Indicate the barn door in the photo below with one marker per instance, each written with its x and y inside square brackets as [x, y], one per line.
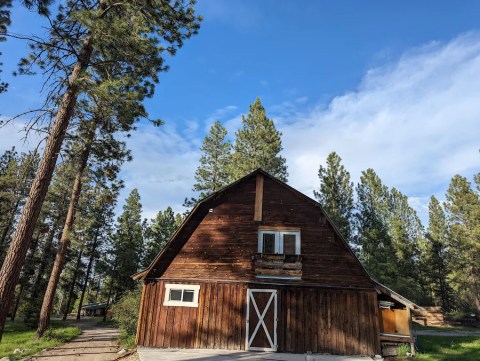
[261, 332]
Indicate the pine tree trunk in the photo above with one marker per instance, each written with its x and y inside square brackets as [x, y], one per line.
[17, 251]
[46, 259]
[17, 303]
[87, 275]
[71, 290]
[47, 305]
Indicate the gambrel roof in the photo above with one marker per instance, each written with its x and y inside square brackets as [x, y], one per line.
[166, 256]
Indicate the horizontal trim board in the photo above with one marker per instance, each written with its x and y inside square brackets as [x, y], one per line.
[223, 281]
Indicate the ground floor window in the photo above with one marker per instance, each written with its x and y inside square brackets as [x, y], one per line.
[181, 295]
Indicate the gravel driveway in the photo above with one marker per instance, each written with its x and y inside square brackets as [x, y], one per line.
[96, 343]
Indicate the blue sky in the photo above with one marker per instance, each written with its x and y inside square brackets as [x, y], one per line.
[388, 85]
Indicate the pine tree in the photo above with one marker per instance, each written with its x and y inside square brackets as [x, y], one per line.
[159, 233]
[336, 193]
[436, 254]
[128, 244]
[16, 175]
[407, 236]
[88, 39]
[5, 6]
[212, 173]
[257, 145]
[463, 214]
[52, 217]
[371, 221]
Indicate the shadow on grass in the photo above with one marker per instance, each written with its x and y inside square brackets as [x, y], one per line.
[18, 335]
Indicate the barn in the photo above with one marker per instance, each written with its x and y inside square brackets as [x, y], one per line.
[259, 266]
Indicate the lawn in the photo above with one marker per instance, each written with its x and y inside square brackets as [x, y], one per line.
[18, 335]
[440, 348]
[418, 327]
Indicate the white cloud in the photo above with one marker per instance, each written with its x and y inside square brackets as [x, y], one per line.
[416, 122]
[163, 168]
[13, 134]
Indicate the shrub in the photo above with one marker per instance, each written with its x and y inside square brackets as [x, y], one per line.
[125, 312]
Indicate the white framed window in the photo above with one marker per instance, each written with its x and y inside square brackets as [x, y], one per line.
[181, 295]
[279, 242]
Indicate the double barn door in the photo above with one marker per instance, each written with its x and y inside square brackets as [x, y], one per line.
[261, 334]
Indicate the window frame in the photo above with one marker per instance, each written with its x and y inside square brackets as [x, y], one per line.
[279, 233]
[183, 287]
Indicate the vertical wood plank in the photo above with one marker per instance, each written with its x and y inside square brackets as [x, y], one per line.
[314, 320]
[140, 315]
[161, 316]
[219, 324]
[206, 317]
[199, 317]
[146, 339]
[306, 321]
[243, 320]
[155, 309]
[258, 198]
[212, 316]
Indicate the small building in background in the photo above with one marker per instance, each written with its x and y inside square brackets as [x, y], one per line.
[94, 309]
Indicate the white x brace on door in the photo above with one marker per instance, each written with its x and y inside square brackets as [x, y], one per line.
[261, 334]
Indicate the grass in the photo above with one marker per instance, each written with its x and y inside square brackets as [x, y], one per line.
[439, 348]
[126, 341]
[418, 327]
[18, 335]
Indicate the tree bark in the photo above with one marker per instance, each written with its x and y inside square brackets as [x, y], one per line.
[46, 259]
[17, 251]
[47, 305]
[87, 275]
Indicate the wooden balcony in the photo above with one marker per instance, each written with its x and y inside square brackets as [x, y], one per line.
[278, 266]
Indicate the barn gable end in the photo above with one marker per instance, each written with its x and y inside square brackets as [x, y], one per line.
[219, 241]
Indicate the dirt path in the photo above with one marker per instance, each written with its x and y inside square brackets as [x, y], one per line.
[96, 343]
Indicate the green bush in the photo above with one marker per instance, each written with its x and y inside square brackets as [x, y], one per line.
[125, 312]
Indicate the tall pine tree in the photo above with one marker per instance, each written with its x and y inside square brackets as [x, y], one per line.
[212, 173]
[336, 193]
[159, 232]
[87, 39]
[257, 145]
[435, 258]
[128, 244]
[371, 222]
[463, 214]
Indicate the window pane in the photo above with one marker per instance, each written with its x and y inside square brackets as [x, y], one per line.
[269, 243]
[188, 295]
[175, 295]
[289, 243]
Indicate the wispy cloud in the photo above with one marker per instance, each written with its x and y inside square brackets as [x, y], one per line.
[163, 167]
[13, 134]
[415, 121]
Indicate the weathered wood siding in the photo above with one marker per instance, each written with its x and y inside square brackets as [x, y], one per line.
[223, 244]
[309, 319]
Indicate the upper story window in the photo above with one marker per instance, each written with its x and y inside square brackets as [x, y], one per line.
[181, 295]
[279, 242]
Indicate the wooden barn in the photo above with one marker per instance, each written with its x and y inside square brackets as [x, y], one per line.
[259, 266]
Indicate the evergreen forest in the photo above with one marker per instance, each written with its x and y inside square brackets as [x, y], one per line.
[66, 237]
